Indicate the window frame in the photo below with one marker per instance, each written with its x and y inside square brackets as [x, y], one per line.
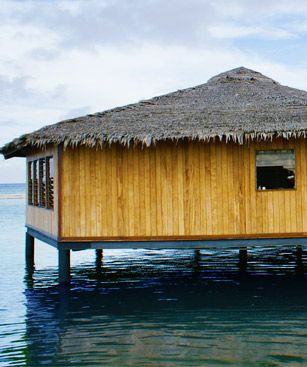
[29, 183]
[33, 166]
[295, 166]
[34, 182]
[42, 182]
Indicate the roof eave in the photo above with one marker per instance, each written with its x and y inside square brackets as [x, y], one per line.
[12, 153]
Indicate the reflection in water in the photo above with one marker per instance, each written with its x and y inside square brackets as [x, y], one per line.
[170, 308]
[150, 308]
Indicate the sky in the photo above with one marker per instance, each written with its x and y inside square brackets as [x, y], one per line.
[63, 59]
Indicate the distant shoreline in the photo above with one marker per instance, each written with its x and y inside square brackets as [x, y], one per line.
[12, 196]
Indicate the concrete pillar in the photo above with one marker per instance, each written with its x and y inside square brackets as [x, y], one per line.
[64, 265]
[243, 259]
[29, 250]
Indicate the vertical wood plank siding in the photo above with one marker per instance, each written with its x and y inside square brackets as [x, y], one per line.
[46, 220]
[185, 189]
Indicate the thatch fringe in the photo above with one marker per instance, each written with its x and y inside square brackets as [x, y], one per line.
[92, 142]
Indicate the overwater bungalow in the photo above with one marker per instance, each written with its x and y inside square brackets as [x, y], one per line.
[219, 164]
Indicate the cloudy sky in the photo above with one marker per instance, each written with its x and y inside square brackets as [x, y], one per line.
[61, 59]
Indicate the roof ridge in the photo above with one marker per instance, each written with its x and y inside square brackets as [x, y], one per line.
[240, 74]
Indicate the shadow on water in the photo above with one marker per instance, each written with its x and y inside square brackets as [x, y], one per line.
[171, 308]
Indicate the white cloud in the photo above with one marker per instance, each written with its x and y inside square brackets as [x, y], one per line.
[243, 10]
[231, 31]
[60, 58]
[17, 40]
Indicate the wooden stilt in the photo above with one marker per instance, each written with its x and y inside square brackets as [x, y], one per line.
[196, 263]
[197, 255]
[243, 260]
[64, 265]
[299, 268]
[29, 250]
[99, 257]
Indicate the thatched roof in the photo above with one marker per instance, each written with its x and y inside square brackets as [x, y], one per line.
[238, 105]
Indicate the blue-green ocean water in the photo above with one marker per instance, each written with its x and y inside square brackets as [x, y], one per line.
[149, 308]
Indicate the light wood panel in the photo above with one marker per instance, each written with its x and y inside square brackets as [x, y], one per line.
[185, 189]
[47, 220]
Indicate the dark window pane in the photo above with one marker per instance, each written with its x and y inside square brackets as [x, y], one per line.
[275, 169]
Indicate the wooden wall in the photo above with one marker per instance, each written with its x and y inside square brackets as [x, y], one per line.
[45, 220]
[188, 190]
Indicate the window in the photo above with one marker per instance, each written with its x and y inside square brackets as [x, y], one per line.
[41, 183]
[49, 182]
[34, 183]
[275, 169]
